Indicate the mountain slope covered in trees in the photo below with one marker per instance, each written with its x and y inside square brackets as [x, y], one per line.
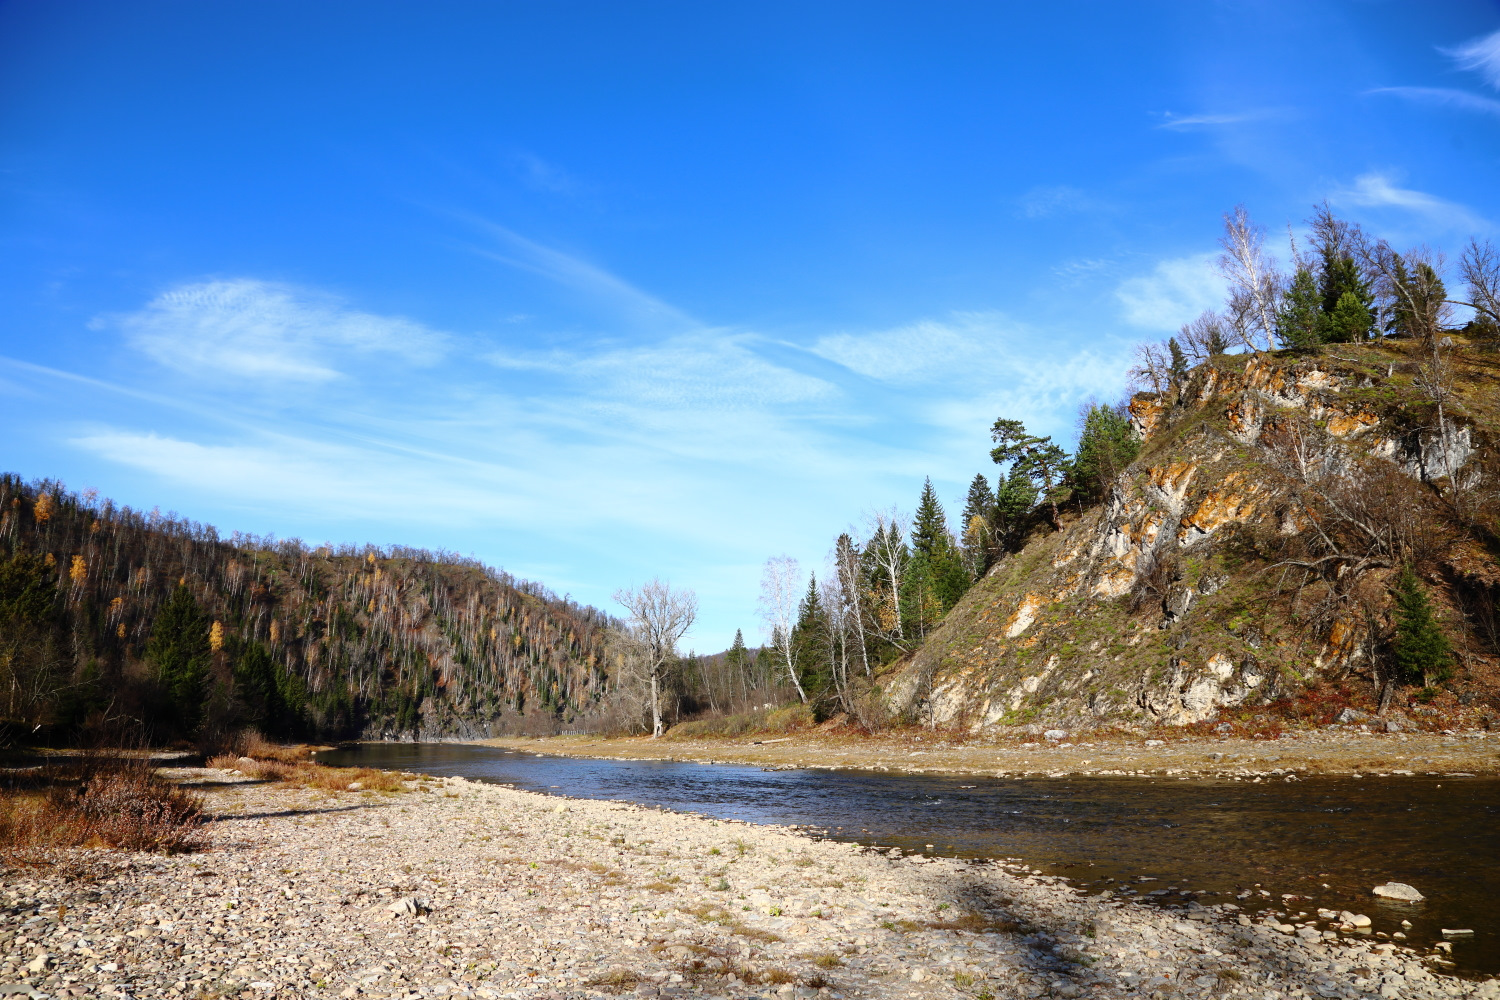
[117, 619]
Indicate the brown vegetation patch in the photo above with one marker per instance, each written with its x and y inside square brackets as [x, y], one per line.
[976, 922]
[305, 774]
[120, 806]
[616, 980]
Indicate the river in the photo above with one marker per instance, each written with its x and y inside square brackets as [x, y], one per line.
[1327, 841]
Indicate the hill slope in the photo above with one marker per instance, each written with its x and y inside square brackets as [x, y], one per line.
[298, 641]
[1242, 565]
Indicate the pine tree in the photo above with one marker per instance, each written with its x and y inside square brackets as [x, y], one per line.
[1418, 300]
[737, 662]
[1299, 321]
[1420, 648]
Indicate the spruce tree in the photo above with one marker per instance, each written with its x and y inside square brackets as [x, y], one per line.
[930, 526]
[937, 567]
[978, 527]
[811, 656]
[1106, 446]
[1421, 650]
[1349, 321]
[1179, 361]
[1015, 498]
[1216, 344]
[178, 649]
[1299, 320]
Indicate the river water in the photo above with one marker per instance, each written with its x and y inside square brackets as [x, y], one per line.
[1326, 840]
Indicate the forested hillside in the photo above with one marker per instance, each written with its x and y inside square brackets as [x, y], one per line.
[115, 619]
[1296, 513]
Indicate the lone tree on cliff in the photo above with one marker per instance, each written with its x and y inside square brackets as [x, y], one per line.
[659, 616]
[1420, 648]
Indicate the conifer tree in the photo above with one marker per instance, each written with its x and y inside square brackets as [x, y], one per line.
[1421, 650]
[1349, 321]
[1106, 446]
[1179, 362]
[937, 570]
[811, 655]
[929, 527]
[179, 650]
[1299, 321]
[1015, 498]
[978, 539]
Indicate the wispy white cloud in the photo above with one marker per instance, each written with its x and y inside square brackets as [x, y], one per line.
[692, 454]
[539, 175]
[1445, 96]
[1175, 292]
[1379, 190]
[1482, 55]
[248, 329]
[1059, 199]
[626, 300]
[1182, 123]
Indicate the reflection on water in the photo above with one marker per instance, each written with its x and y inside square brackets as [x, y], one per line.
[1329, 840]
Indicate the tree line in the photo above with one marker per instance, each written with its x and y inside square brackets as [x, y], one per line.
[887, 586]
[123, 620]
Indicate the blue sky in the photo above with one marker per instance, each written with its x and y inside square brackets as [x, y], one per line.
[601, 291]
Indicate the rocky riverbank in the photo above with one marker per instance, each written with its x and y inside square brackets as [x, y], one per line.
[457, 889]
[1344, 751]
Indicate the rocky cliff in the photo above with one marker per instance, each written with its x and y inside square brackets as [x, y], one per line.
[1240, 568]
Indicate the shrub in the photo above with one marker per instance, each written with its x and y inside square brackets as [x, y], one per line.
[125, 807]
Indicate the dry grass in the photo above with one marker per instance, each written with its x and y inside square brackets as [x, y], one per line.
[115, 805]
[616, 980]
[305, 774]
[977, 923]
[252, 744]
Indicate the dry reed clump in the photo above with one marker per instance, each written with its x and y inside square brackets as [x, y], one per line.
[305, 774]
[251, 744]
[120, 806]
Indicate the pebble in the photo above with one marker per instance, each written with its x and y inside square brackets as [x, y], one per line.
[460, 889]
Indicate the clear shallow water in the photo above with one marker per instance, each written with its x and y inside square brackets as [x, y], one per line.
[1329, 839]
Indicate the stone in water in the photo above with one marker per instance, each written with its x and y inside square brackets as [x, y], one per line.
[1399, 890]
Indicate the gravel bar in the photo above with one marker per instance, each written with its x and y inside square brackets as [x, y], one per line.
[461, 889]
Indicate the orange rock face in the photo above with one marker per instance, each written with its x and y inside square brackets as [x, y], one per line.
[1228, 503]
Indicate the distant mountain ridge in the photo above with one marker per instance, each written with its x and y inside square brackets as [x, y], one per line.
[298, 641]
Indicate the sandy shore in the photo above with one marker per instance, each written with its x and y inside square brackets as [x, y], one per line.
[1303, 753]
[462, 889]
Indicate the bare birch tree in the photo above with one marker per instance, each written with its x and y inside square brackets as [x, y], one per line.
[847, 573]
[779, 593]
[659, 617]
[1152, 371]
[1251, 275]
[1480, 267]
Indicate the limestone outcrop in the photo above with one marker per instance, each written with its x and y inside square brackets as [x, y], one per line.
[1177, 598]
